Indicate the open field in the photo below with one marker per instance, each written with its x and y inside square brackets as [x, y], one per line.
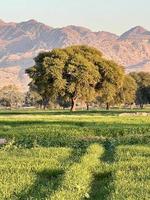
[71, 156]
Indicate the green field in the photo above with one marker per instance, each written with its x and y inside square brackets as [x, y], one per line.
[59, 155]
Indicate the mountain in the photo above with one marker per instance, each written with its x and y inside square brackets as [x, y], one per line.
[21, 42]
[137, 32]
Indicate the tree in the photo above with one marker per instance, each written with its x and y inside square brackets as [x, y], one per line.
[63, 102]
[47, 75]
[11, 96]
[110, 82]
[127, 92]
[32, 98]
[143, 87]
[81, 74]
[76, 73]
[68, 72]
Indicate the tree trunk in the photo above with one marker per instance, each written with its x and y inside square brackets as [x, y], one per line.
[87, 106]
[107, 106]
[141, 105]
[44, 106]
[10, 106]
[45, 103]
[40, 106]
[73, 104]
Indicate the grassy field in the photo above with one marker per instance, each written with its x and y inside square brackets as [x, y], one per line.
[60, 155]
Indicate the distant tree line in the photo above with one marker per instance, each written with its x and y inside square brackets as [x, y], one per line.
[142, 80]
[10, 96]
[79, 74]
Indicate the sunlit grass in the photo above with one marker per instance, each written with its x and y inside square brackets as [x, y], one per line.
[84, 155]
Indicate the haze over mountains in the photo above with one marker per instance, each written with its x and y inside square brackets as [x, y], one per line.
[20, 42]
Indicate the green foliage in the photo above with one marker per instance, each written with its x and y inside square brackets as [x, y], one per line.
[32, 98]
[127, 93]
[75, 73]
[69, 72]
[143, 87]
[80, 73]
[111, 80]
[47, 79]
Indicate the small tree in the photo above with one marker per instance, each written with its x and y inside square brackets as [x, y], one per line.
[143, 87]
[47, 75]
[127, 93]
[11, 96]
[32, 98]
[111, 80]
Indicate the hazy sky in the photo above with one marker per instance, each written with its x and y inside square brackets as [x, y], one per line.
[110, 15]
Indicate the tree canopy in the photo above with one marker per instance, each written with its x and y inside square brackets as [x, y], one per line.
[142, 80]
[110, 82]
[76, 73]
[66, 72]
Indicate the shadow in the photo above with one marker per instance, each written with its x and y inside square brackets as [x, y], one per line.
[101, 186]
[74, 133]
[60, 112]
[109, 154]
[46, 182]
[67, 112]
[71, 123]
[78, 151]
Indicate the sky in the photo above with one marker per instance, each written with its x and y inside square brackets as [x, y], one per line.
[115, 16]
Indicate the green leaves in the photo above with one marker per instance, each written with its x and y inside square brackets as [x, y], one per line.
[143, 87]
[80, 73]
[69, 72]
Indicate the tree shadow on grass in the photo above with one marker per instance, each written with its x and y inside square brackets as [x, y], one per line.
[67, 112]
[102, 186]
[72, 123]
[110, 150]
[46, 182]
[59, 112]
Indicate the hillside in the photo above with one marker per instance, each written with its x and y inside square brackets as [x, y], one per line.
[21, 42]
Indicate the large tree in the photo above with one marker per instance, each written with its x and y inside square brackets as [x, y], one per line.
[143, 87]
[66, 72]
[76, 73]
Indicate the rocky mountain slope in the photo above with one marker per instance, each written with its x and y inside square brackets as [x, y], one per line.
[20, 42]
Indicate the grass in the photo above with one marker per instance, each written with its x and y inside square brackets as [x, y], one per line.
[77, 180]
[31, 173]
[83, 155]
[52, 129]
[132, 178]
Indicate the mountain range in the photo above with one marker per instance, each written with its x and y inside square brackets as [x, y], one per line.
[21, 42]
